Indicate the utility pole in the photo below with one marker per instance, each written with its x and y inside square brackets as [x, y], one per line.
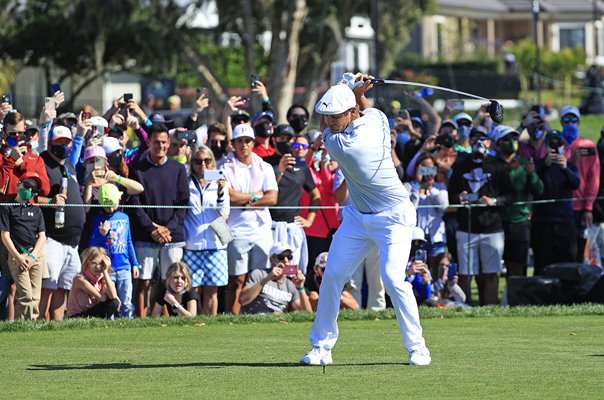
[537, 75]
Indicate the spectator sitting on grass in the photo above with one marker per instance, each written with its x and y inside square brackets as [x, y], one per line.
[93, 293]
[272, 291]
[177, 298]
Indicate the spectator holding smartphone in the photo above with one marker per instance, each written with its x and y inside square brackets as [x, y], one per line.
[483, 180]
[294, 178]
[553, 228]
[347, 300]
[536, 125]
[417, 271]
[584, 155]
[278, 289]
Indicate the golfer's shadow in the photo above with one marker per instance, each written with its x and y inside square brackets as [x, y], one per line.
[122, 366]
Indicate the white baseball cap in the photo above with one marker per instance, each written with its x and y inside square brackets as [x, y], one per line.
[243, 130]
[418, 234]
[570, 110]
[99, 121]
[336, 100]
[60, 131]
[321, 260]
[501, 131]
[111, 144]
[279, 248]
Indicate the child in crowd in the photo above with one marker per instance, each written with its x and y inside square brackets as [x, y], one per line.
[177, 298]
[24, 237]
[93, 293]
[111, 230]
[447, 291]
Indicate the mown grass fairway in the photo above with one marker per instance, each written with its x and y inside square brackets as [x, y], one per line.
[478, 355]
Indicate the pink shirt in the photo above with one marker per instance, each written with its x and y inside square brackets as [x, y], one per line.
[80, 301]
[589, 174]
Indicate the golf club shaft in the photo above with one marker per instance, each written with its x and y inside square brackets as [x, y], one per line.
[408, 83]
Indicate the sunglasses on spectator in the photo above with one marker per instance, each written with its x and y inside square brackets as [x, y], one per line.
[29, 186]
[568, 120]
[239, 120]
[15, 133]
[300, 146]
[223, 143]
[464, 122]
[284, 255]
[199, 161]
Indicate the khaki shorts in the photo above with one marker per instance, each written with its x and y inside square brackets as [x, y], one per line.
[152, 258]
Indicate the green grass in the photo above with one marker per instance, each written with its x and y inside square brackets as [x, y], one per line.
[520, 353]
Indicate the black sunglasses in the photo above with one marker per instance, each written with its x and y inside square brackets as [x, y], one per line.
[284, 255]
[567, 120]
[199, 161]
[29, 186]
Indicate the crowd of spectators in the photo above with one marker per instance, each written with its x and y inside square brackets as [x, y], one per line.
[130, 213]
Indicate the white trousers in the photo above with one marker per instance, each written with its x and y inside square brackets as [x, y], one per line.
[391, 231]
[376, 295]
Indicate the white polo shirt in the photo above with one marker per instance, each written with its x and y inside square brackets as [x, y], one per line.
[363, 153]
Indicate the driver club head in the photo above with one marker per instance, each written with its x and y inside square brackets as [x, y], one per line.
[496, 112]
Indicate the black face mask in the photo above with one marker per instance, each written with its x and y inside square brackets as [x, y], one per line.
[298, 122]
[263, 130]
[60, 151]
[115, 161]
[284, 147]
[218, 151]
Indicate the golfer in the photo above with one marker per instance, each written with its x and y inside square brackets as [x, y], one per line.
[358, 138]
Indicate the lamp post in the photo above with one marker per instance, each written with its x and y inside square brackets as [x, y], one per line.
[537, 74]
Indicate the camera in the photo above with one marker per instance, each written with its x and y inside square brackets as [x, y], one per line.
[253, 79]
[447, 140]
[421, 255]
[189, 136]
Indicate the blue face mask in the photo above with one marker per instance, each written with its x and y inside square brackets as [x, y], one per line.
[535, 133]
[570, 132]
[61, 151]
[33, 144]
[464, 131]
[403, 138]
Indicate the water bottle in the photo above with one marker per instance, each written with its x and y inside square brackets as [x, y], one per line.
[60, 211]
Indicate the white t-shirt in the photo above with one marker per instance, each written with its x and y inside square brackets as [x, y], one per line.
[247, 224]
[363, 154]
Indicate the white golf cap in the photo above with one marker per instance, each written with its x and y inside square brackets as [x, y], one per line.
[321, 260]
[460, 116]
[243, 130]
[279, 248]
[111, 145]
[60, 131]
[99, 121]
[336, 100]
[418, 234]
[501, 131]
[570, 110]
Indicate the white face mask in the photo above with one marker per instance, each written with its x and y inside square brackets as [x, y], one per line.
[479, 151]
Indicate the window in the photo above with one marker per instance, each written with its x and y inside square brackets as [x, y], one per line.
[572, 36]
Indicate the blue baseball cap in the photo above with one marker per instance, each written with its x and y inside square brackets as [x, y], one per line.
[261, 114]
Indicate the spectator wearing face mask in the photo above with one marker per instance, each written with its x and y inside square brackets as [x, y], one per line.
[294, 178]
[584, 154]
[62, 241]
[297, 117]
[536, 125]
[464, 127]
[480, 179]
[434, 199]
[263, 130]
[526, 184]
[553, 228]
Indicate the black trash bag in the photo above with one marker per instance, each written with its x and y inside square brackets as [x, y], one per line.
[575, 279]
[535, 290]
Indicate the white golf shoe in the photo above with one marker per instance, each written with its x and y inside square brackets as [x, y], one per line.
[420, 356]
[317, 356]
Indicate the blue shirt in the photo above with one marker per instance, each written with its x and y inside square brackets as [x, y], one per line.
[363, 153]
[117, 242]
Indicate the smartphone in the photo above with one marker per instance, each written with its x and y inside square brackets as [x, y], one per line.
[86, 115]
[253, 79]
[7, 98]
[49, 103]
[403, 113]
[54, 88]
[128, 97]
[200, 91]
[124, 110]
[421, 255]
[452, 271]
[300, 161]
[99, 163]
[290, 270]
[587, 151]
[469, 197]
[213, 174]
[423, 171]
[457, 105]
[245, 103]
